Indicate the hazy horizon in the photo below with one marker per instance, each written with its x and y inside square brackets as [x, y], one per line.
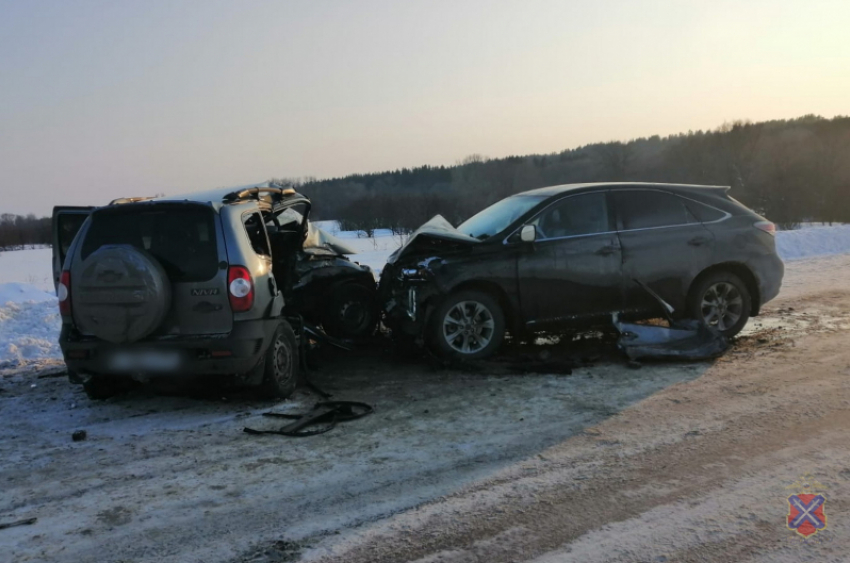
[107, 99]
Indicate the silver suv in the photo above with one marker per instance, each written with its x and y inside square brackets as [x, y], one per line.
[180, 286]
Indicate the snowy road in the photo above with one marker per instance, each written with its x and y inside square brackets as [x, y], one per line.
[683, 462]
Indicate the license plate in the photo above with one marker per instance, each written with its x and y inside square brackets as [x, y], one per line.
[145, 360]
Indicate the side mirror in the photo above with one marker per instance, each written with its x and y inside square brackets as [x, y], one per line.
[528, 233]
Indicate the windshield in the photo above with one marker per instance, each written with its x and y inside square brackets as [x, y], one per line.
[498, 216]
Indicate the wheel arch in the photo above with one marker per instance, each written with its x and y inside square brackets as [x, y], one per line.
[740, 270]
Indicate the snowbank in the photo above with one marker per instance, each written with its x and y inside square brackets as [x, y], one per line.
[16, 292]
[28, 266]
[29, 324]
[813, 241]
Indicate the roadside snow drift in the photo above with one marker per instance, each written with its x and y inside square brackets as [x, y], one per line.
[813, 241]
[29, 324]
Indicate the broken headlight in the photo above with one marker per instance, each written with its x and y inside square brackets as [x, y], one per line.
[409, 273]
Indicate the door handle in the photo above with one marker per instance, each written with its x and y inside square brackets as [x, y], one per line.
[698, 241]
[607, 250]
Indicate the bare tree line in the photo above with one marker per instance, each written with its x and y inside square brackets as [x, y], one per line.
[19, 231]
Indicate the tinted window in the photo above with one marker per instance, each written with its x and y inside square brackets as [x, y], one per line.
[68, 226]
[648, 209]
[181, 238]
[704, 213]
[256, 229]
[578, 215]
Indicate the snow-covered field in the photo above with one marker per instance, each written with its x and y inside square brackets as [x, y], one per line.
[29, 323]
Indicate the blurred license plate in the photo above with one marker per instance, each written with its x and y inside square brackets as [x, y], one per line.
[145, 360]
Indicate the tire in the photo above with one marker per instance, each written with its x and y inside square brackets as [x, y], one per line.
[74, 377]
[121, 294]
[101, 387]
[475, 312]
[351, 311]
[721, 300]
[279, 364]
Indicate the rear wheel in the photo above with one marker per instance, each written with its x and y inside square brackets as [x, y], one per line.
[467, 325]
[721, 300]
[100, 387]
[280, 364]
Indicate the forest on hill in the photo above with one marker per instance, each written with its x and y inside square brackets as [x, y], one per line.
[789, 170]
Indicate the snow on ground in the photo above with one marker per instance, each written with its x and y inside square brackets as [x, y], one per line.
[813, 240]
[29, 321]
[32, 267]
[29, 316]
[29, 330]
[371, 251]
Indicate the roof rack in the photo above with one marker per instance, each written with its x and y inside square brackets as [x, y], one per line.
[122, 200]
[257, 193]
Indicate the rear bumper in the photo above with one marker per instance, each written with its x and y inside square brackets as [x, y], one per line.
[769, 271]
[234, 353]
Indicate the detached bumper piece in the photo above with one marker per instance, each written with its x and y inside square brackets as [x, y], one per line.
[686, 340]
[683, 340]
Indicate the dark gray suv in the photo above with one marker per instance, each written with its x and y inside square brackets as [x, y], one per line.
[570, 256]
[179, 286]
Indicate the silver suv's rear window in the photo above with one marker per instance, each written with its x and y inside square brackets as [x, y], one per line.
[181, 237]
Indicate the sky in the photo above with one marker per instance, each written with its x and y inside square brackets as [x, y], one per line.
[104, 99]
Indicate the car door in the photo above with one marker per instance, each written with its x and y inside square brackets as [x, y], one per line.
[65, 225]
[663, 245]
[572, 271]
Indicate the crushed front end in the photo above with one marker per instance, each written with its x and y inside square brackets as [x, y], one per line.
[416, 274]
[405, 291]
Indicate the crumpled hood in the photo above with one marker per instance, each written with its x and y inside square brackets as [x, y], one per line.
[321, 240]
[433, 231]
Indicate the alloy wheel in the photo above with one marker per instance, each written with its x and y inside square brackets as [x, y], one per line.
[722, 306]
[468, 327]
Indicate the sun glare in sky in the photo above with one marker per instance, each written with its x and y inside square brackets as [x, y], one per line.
[106, 99]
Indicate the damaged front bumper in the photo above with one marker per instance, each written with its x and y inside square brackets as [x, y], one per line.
[405, 293]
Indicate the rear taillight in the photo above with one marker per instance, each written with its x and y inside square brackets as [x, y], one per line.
[63, 293]
[240, 289]
[766, 226]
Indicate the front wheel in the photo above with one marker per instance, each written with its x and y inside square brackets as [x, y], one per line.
[280, 364]
[467, 325]
[722, 301]
[351, 311]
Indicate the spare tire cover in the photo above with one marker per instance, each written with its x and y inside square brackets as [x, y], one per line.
[121, 294]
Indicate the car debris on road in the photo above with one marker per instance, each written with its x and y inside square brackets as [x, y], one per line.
[684, 339]
[327, 414]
